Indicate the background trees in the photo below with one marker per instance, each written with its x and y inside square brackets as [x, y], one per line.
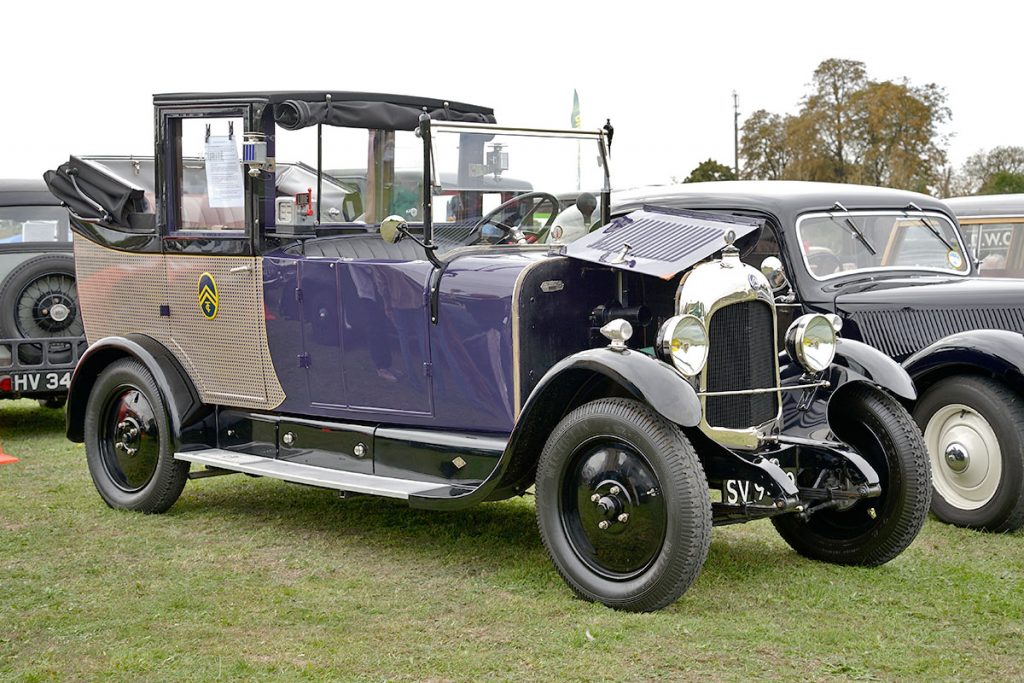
[997, 171]
[852, 129]
[709, 170]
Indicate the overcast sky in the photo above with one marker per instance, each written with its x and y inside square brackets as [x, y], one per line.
[79, 78]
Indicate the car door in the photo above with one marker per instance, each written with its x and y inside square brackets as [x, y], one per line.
[365, 325]
[214, 281]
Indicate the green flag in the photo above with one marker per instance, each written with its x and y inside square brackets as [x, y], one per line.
[575, 109]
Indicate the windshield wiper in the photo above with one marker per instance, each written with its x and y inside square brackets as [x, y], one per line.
[927, 224]
[853, 228]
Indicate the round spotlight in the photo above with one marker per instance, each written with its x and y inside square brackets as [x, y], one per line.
[811, 341]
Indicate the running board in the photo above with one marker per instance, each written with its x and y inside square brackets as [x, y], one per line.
[298, 473]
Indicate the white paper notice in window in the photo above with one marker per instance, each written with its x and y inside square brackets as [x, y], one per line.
[223, 173]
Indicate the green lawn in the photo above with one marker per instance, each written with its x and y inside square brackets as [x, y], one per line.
[255, 579]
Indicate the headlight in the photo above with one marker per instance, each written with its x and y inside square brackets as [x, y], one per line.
[683, 341]
[811, 341]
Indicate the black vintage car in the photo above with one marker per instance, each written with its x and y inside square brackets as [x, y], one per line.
[993, 227]
[894, 267]
[41, 333]
[447, 363]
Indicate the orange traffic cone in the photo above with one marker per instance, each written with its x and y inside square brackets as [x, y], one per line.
[4, 458]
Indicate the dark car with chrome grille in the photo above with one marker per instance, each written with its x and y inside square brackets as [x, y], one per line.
[937, 296]
[450, 356]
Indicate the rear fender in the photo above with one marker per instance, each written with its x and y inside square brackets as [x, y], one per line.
[176, 389]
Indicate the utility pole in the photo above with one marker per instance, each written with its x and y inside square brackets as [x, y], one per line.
[736, 133]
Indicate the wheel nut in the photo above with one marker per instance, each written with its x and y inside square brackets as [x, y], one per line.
[624, 517]
[603, 524]
[872, 514]
[615, 490]
[596, 497]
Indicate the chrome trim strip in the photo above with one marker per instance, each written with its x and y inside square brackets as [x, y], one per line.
[466, 127]
[766, 390]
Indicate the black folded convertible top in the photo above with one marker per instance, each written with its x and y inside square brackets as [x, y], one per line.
[93, 194]
[294, 110]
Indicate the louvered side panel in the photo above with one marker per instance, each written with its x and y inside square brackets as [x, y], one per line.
[902, 333]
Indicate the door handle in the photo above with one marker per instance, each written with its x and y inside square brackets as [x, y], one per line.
[241, 269]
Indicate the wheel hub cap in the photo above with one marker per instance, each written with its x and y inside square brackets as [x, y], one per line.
[957, 457]
[131, 439]
[965, 453]
[613, 510]
[59, 313]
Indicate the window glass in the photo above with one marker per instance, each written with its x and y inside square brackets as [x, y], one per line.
[993, 246]
[33, 224]
[838, 243]
[212, 196]
[367, 175]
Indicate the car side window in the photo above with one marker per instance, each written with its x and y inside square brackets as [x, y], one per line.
[767, 244]
[207, 176]
[33, 224]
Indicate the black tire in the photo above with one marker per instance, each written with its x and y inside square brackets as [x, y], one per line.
[985, 494]
[53, 402]
[648, 561]
[879, 429]
[124, 397]
[28, 297]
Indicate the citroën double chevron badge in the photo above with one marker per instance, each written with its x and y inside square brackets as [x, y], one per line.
[208, 297]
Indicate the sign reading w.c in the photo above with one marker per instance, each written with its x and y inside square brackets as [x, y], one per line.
[208, 297]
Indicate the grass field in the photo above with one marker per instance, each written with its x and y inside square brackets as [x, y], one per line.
[248, 579]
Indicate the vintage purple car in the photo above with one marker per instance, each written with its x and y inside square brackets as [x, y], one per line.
[456, 343]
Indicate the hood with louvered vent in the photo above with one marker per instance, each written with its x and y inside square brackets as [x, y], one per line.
[900, 333]
[659, 241]
[902, 316]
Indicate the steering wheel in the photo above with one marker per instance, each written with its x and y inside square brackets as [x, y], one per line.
[512, 231]
[823, 262]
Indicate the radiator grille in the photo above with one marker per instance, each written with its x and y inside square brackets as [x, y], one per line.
[903, 332]
[741, 356]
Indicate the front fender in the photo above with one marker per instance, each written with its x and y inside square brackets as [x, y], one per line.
[571, 382]
[647, 379]
[874, 366]
[999, 353]
[176, 389]
[805, 412]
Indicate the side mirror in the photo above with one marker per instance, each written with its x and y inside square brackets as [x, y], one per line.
[771, 268]
[393, 228]
[587, 204]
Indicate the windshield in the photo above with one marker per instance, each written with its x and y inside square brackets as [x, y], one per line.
[494, 185]
[835, 244]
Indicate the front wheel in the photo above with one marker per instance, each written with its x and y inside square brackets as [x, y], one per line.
[974, 430]
[871, 531]
[127, 441]
[623, 505]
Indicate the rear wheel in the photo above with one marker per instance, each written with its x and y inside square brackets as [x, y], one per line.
[39, 299]
[974, 430]
[871, 531]
[623, 506]
[127, 441]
